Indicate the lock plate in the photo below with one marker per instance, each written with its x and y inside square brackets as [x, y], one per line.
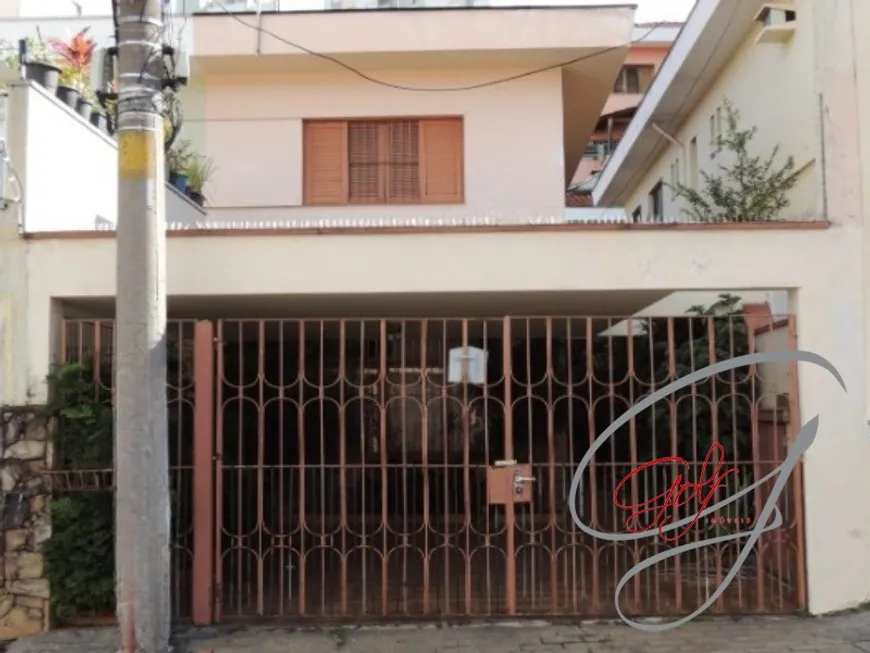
[501, 486]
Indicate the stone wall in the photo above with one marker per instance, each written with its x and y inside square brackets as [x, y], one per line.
[26, 455]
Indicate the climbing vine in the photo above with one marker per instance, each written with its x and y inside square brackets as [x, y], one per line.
[80, 556]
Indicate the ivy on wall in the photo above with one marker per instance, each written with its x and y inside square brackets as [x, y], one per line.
[80, 555]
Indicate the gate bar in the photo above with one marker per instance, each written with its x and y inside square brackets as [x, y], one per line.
[203, 474]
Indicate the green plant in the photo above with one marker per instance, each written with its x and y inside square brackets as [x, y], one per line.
[199, 170]
[38, 52]
[179, 156]
[746, 188]
[9, 54]
[88, 95]
[711, 334]
[79, 556]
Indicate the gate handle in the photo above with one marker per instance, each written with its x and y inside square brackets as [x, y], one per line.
[523, 479]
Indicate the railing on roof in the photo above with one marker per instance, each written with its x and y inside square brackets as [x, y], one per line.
[572, 215]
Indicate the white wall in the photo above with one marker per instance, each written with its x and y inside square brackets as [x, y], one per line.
[67, 169]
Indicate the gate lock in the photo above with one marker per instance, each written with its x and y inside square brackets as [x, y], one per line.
[506, 482]
[520, 482]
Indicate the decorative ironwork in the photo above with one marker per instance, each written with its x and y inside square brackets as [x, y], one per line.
[349, 477]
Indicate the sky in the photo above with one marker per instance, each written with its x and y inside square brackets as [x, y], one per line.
[647, 10]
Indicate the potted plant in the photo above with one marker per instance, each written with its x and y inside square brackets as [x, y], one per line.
[76, 56]
[199, 169]
[177, 160]
[98, 118]
[41, 65]
[87, 102]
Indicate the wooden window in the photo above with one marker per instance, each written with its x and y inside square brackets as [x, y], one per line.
[406, 161]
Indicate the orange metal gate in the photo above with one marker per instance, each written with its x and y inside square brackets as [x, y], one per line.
[340, 469]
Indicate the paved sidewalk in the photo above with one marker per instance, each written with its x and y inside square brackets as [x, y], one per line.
[848, 633]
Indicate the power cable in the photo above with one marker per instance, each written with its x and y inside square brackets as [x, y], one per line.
[401, 87]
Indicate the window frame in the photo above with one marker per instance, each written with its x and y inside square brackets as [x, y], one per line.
[421, 200]
[621, 85]
[657, 197]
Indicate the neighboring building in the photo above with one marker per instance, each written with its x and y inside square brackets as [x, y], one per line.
[798, 73]
[339, 450]
[650, 45]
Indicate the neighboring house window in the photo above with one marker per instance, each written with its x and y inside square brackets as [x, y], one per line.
[656, 203]
[598, 149]
[633, 79]
[675, 177]
[403, 161]
[636, 215]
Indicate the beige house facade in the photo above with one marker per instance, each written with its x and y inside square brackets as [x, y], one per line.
[385, 322]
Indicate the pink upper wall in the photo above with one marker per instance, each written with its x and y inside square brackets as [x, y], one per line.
[648, 55]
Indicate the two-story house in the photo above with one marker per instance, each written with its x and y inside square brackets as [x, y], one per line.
[390, 348]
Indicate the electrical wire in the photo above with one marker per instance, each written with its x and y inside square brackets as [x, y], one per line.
[400, 87]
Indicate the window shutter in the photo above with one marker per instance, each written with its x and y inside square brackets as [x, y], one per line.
[403, 171]
[365, 170]
[441, 169]
[325, 162]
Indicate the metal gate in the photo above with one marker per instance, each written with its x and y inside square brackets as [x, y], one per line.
[354, 479]
[340, 469]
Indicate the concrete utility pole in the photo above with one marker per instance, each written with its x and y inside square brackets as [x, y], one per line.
[141, 447]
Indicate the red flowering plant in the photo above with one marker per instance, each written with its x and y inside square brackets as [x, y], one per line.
[75, 57]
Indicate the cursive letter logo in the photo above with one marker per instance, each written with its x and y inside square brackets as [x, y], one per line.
[678, 494]
[803, 441]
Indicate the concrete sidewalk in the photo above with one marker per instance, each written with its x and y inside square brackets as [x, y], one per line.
[848, 633]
